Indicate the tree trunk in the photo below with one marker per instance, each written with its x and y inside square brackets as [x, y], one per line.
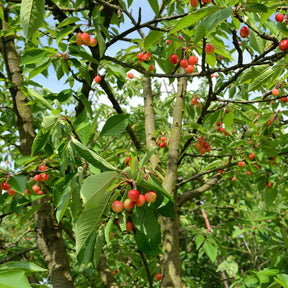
[171, 260]
[51, 244]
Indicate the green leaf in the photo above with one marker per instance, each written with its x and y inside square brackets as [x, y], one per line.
[229, 266]
[101, 44]
[40, 98]
[147, 156]
[39, 141]
[250, 74]
[228, 121]
[95, 186]
[115, 125]
[89, 220]
[25, 160]
[91, 157]
[199, 240]
[146, 245]
[68, 21]
[108, 228]
[65, 32]
[256, 42]
[24, 266]
[200, 32]
[48, 122]
[210, 250]
[282, 279]
[18, 183]
[13, 279]
[98, 246]
[152, 38]
[154, 5]
[269, 196]
[31, 16]
[118, 71]
[32, 56]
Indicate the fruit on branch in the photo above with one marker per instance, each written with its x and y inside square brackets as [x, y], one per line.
[269, 184]
[36, 188]
[151, 68]
[244, 32]
[128, 204]
[38, 178]
[5, 186]
[85, 38]
[129, 226]
[279, 17]
[234, 179]
[241, 164]
[163, 145]
[127, 160]
[11, 192]
[44, 177]
[206, 1]
[190, 69]
[79, 40]
[248, 173]
[193, 60]
[146, 57]
[174, 59]
[42, 168]
[92, 42]
[194, 3]
[219, 123]
[130, 75]
[183, 63]
[117, 206]
[284, 99]
[275, 91]
[168, 42]
[194, 100]
[283, 45]
[141, 201]
[133, 195]
[158, 276]
[209, 49]
[40, 192]
[151, 196]
[97, 79]
[140, 56]
[181, 38]
[251, 156]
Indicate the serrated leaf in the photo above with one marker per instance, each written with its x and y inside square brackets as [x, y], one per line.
[210, 250]
[13, 279]
[154, 5]
[147, 156]
[65, 32]
[33, 56]
[31, 16]
[200, 32]
[282, 279]
[252, 73]
[91, 157]
[24, 266]
[95, 186]
[199, 240]
[98, 247]
[269, 196]
[68, 21]
[40, 98]
[115, 125]
[108, 228]
[256, 42]
[40, 141]
[228, 121]
[48, 122]
[152, 38]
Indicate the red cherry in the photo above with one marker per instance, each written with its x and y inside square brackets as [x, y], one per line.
[11, 192]
[141, 201]
[79, 40]
[38, 178]
[158, 276]
[244, 32]
[35, 188]
[234, 179]
[44, 177]
[275, 92]
[133, 195]
[181, 38]
[151, 68]
[130, 75]
[269, 184]
[248, 173]
[190, 69]
[163, 145]
[279, 17]
[201, 140]
[209, 49]
[202, 150]
[39, 192]
[114, 272]
[92, 42]
[42, 168]
[151, 197]
[219, 123]
[85, 38]
[168, 42]
[5, 186]
[127, 160]
[206, 145]
[183, 63]
[117, 206]
[194, 3]
[284, 99]
[140, 56]
[174, 59]
[251, 157]
[128, 204]
[193, 60]
[97, 79]
[241, 164]
[146, 57]
[129, 226]
[283, 45]
[198, 146]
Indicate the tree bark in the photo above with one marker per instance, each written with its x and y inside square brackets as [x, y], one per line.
[171, 265]
[51, 244]
[149, 120]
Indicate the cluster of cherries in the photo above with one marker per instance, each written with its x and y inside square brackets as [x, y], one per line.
[6, 186]
[276, 92]
[162, 143]
[134, 198]
[195, 101]
[222, 129]
[188, 65]
[85, 39]
[202, 145]
[40, 178]
[145, 57]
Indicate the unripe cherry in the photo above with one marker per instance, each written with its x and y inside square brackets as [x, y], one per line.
[194, 3]
[117, 206]
[128, 204]
[92, 42]
[151, 196]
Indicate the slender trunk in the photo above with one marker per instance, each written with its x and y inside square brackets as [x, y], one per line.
[51, 244]
[171, 259]
[149, 120]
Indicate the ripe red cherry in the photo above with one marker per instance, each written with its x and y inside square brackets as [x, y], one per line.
[130, 75]
[248, 173]
[151, 68]
[174, 59]
[5, 186]
[85, 38]
[283, 45]
[168, 42]
[194, 3]
[284, 99]
[97, 79]
[198, 146]
[234, 179]
[206, 145]
[163, 138]
[79, 40]
[11, 192]
[129, 226]
[141, 201]
[35, 188]
[133, 195]
[44, 177]
[146, 57]
[275, 92]
[38, 178]
[42, 168]
[40, 192]
[219, 123]
[127, 160]
[206, 1]
[163, 145]
[140, 56]
[279, 17]
[117, 206]
[269, 184]
[128, 204]
[115, 272]
[183, 63]
[241, 164]
[158, 276]
[244, 32]
[151, 197]
[201, 140]
[209, 49]
[92, 42]
[193, 60]
[190, 69]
